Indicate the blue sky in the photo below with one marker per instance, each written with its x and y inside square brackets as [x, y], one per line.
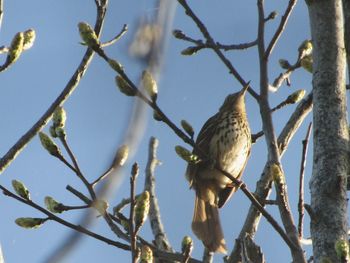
[191, 88]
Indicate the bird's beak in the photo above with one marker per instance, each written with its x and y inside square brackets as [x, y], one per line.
[244, 89]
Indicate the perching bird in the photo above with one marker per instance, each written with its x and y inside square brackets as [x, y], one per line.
[226, 140]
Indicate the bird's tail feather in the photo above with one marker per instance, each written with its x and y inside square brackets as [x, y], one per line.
[207, 227]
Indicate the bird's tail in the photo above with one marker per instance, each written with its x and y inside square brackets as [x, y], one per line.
[207, 227]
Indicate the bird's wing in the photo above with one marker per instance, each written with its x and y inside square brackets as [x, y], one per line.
[202, 142]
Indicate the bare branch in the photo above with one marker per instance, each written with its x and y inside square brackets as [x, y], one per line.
[280, 28]
[305, 143]
[159, 234]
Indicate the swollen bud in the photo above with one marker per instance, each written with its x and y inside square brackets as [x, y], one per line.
[295, 96]
[122, 155]
[30, 222]
[115, 65]
[146, 254]
[88, 35]
[156, 116]
[284, 63]
[306, 62]
[189, 51]
[141, 210]
[15, 48]
[52, 205]
[342, 250]
[187, 245]
[29, 38]
[276, 173]
[178, 34]
[186, 154]
[150, 84]
[49, 145]
[21, 189]
[305, 48]
[59, 117]
[187, 127]
[124, 87]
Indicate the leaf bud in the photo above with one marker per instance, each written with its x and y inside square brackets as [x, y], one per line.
[150, 84]
[141, 209]
[284, 63]
[49, 145]
[146, 254]
[178, 34]
[52, 205]
[21, 189]
[186, 154]
[88, 35]
[305, 48]
[187, 127]
[187, 245]
[30, 222]
[295, 96]
[124, 87]
[16, 48]
[59, 117]
[307, 62]
[115, 65]
[29, 38]
[189, 51]
[122, 155]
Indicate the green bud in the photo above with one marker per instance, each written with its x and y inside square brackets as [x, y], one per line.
[189, 51]
[21, 189]
[60, 132]
[284, 63]
[277, 173]
[30, 222]
[273, 15]
[149, 84]
[342, 249]
[124, 87]
[125, 224]
[141, 209]
[156, 116]
[307, 62]
[295, 96]
[29, 38]
[49, 145]
[187, 245]
[52, 205]
[146, 254]
[59, 117]
[16, 48]
[186, 154]
[52, 131]
[122, 155]
[305, 48]
[115, 65]
[178, 34]
[101, 206]
[187, 127]
[88, 35]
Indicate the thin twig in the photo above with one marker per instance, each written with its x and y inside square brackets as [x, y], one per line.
[77, 168]
[64, 222]
[12, 153]
[280, 28]
[217, 50]
[305, 143]
[134, 173]
[200, 44]
[160, 238]
[116, 38]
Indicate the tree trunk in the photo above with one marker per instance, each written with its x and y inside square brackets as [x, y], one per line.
[331, 137]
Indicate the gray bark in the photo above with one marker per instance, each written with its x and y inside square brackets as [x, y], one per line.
[331, 137]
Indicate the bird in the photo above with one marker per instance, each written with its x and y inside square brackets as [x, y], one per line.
[225, 140]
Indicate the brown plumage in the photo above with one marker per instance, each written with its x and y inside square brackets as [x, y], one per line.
[225, 139]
